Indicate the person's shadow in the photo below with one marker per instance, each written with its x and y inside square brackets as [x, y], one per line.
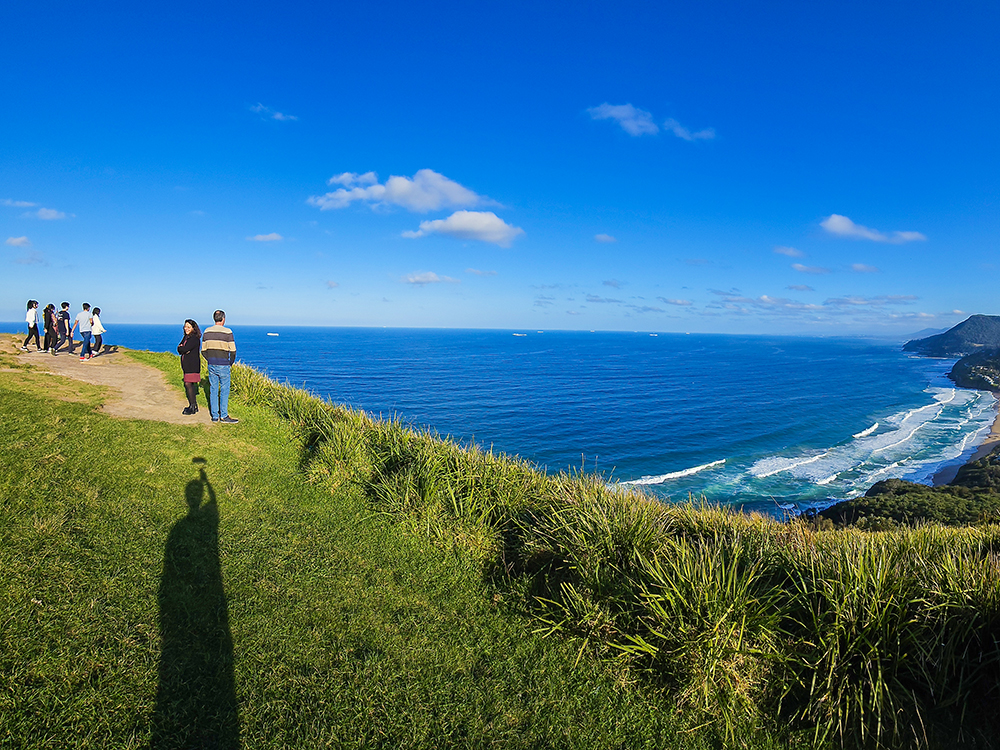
[196, 704]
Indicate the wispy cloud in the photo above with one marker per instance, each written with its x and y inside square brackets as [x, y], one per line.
[636, 122]
[18, 242]
[426, 191]
[544, 301]
[862, 268]
[680, 131]
[47, 214]
[484, 226]
[791, 252]
[573, 312]
[270, 114]
[800, 288]
[272, 237]
[332, 284]
[33, 258]
[17, 204]
[633, 120]
[879, 301]
[477, 272]
[810, 269]
[604, 238]
[841, 226]
[423, 278]
[613, 283]
[677, 302]
[603, 300]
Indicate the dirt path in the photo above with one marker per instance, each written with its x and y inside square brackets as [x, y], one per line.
[141, 391]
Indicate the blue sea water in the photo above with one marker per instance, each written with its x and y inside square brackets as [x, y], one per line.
[761, 422]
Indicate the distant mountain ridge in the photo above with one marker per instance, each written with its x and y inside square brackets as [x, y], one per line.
[976, 334]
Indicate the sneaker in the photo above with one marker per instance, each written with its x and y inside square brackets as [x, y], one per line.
[24, 348]
[229, 420]
[83, 359]
[187, 411]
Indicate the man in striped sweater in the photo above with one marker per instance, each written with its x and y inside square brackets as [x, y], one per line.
[219, 349]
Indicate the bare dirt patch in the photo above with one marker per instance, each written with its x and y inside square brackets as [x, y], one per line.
[139, 391]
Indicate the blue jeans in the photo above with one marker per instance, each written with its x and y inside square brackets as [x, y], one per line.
[218, 391]
[85, 350]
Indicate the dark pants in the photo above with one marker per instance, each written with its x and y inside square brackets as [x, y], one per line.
[32, 331]
[98, 341]
[50, 339]
[63, 337]
[85, 349]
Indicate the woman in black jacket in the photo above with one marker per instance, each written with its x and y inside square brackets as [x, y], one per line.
[190, 351]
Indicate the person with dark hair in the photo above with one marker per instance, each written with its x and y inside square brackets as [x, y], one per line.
[190, 351]
[83, 320]
[62, 324]
[98, 330]
[219, 349]
[32, 321]
[49, 319]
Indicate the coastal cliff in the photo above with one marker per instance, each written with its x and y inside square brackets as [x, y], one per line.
[974, 494]
[975, 334]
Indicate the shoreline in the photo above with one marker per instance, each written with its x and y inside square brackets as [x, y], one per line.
[948, 473]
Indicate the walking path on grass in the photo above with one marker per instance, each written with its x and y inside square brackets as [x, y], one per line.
[138, 391]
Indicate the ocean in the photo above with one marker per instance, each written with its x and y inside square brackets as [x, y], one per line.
[767, 423]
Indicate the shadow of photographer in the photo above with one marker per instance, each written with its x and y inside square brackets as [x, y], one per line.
[196, 705]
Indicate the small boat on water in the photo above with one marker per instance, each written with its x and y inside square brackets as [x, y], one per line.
[272, 334]
[520, 334]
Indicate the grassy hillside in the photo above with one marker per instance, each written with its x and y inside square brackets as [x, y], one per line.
[175, 587]
[371, 586]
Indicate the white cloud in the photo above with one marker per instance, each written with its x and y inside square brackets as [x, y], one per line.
[678, 302]
[332, 285]
[809, 269]
[862, 268]
[841, 226]
[484, 226]
[347, 179]
[18, 241]
[477, 272]
[49, 214]
[800, 288]
[270, 113]
[573, 312]
[426, 191]
[422, 278]
[681, 132]
[272, 237]
[604, 238]
[633, 121]
[613, 283]
[791, 252]
[17, 204]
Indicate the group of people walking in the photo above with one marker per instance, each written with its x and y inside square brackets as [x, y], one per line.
[218, 347]
[58, 331]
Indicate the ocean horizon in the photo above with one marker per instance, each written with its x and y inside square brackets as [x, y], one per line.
[766, 423]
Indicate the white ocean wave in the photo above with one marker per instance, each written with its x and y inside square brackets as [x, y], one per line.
[866, 433]
[675, 474]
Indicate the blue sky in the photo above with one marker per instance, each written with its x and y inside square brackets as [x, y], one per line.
[721, 167]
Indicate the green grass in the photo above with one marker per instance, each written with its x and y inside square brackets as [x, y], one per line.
[287, 613]
[358, 584]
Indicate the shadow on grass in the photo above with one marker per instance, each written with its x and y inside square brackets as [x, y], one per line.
[196, 704]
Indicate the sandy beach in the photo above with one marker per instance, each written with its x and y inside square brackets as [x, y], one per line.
[948, 473]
